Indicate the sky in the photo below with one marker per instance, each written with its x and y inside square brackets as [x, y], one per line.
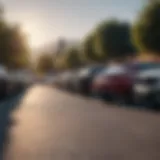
[46, 20]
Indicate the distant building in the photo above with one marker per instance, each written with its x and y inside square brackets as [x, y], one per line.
[57, 47]
[60, 46]
[64, 44]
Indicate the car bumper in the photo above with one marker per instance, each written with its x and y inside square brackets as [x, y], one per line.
[146, 94]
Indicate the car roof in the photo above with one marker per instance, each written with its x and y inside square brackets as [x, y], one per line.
[3, 72]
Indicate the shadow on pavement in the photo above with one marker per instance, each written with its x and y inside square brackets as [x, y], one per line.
[6, 109]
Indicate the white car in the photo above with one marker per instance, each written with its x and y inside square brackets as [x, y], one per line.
[147, 88]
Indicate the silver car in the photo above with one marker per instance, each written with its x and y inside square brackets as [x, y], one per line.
[147, 87]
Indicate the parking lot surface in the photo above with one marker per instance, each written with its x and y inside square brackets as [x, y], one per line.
[52, 124]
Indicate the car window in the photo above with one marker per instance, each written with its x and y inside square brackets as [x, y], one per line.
[146, 66]
[96, 70]
[84, 71]
[114, 70]
[91, 71]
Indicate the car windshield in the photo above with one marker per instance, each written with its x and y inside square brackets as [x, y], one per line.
[113, 70]
[91, 70]
[96, 70]
[146, 66]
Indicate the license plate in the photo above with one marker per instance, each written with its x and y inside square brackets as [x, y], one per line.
[141, 88]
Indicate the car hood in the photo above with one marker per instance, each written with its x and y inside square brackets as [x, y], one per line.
[151, 73]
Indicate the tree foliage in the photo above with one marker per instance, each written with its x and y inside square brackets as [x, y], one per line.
[14, 49]
[113, 39]
[88, 48]
[45, 63]
[72, 58]
[109, 40]
[146, 31]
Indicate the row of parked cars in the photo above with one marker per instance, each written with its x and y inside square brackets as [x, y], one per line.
[134, 83]
[12, 82]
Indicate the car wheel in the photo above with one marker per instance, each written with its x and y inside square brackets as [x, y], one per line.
[95, 94]
[119, 100]
[139, 102]
[150, 103]
[156, 102]
[3, 89]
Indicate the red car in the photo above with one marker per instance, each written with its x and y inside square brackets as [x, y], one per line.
[114, 83]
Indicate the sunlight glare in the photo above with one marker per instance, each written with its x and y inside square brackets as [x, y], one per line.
[34, 33]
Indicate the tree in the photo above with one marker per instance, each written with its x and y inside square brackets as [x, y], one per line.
[60, 64]
[88, 48]
[72, 58]
[146, 31]
[14, 49]
[19, 49]
[113, 39]
[45, 63]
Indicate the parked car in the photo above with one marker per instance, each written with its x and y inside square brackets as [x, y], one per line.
[63, 79]
[113, 83]
[146, 89]
[56, 80]
[73, 81]
[3, 82]
[84, 78]
[116, 82]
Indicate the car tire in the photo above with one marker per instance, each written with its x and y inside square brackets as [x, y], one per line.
[3, 89]
[155, 103]
[96, 94]
[119, 100]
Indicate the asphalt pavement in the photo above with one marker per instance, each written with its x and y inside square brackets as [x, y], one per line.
[50, 124]
[7, 105]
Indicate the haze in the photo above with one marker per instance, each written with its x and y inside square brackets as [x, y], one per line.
[46, 20]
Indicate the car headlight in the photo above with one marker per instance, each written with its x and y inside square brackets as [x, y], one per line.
[141, 88]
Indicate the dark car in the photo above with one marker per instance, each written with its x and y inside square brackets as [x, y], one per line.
[84, 77]
[68, 80]
[3, 82]
[146, 89]
[62, 79]
[19, 81]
